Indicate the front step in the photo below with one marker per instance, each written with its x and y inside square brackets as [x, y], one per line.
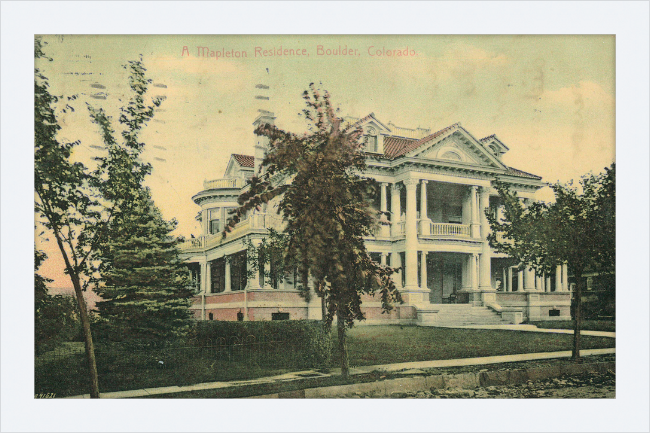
[458, 315]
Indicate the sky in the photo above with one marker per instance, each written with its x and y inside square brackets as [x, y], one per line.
[550, 99]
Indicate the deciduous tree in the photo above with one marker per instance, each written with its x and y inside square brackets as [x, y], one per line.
[577, 229]
[65, 202]
[326, 206]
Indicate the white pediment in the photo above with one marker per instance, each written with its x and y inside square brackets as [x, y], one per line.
[457, 147]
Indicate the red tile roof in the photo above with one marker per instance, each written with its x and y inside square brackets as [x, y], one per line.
[394, 145]
[244, 160]
[408, 145]
[515, 172]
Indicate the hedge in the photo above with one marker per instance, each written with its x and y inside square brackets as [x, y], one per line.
[306, 342]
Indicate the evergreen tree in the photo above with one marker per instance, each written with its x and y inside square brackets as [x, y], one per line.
[327, 209]
[144, 285]
[141, 280]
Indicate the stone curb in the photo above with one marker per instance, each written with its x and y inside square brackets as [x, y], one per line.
[387, 368]
[395, 387]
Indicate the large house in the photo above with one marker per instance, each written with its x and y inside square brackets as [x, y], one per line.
[435, 186]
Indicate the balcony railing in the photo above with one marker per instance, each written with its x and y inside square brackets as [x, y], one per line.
[264, 221]
[236, 182]
[444, 229]
[255, 221]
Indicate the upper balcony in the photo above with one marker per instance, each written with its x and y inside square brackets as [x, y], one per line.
[254, 223]
[429, 229]
[226, 183]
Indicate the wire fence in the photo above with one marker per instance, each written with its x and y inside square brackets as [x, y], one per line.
[123, 367]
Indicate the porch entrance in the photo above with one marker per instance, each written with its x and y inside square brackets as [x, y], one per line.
[444, 276]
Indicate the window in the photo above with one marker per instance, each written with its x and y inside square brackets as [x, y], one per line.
[279, 316]
[455, 214]
[210, 316]
[238, 275]
[371, 140]
[213, 218]
[372, 143]
[218, 275]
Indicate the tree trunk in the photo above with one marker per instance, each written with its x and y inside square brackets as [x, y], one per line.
[343, 348]
[85, 321]
[577, 316]
[323, 307]
[88, 339]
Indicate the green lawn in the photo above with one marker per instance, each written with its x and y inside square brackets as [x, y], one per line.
[370, 345]
[587, 325]
[367, 345]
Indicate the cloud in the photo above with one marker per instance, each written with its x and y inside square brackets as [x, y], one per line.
[586, 93]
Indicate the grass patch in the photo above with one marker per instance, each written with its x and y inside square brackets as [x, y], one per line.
[65, 374]
[587, 325]
[374, 345]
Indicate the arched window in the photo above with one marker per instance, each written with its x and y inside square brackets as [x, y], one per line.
[450, 154]
[494, 150]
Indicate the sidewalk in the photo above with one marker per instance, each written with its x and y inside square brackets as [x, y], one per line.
[387, 368]
[533, 328]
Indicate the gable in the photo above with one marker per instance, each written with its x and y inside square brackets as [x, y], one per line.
[238, 164]
[452, 149]
[456, 145]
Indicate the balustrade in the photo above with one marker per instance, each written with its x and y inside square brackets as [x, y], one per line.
[445, 229]
[236, 182]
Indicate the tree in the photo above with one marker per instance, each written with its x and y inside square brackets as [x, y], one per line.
[577, 229]
[64, 201]
[143, 284]
[56, 318]
[326, 207]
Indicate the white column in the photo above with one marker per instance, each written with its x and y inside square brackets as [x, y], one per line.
[472, 261]
[520, 281]
[267, 273]
[222, 218]
[558, 278]
[504, 281]
[395, 209]
[510, 279]
[208, 278]
[485, 282]
[411, 235]
[423, 270]
[548, 282]
[384, 229]
[529, 279]
[227, 282]
[204, 277]
[205, 221]
[474, 220]
[425, 226]
[383, 259]
[565, 277]
[539, 285]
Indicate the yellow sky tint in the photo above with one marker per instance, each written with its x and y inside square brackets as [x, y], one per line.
[550, 99]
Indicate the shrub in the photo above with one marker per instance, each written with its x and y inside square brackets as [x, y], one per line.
[305, 342]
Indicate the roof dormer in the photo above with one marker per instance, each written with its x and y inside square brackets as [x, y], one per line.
[494, 145]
